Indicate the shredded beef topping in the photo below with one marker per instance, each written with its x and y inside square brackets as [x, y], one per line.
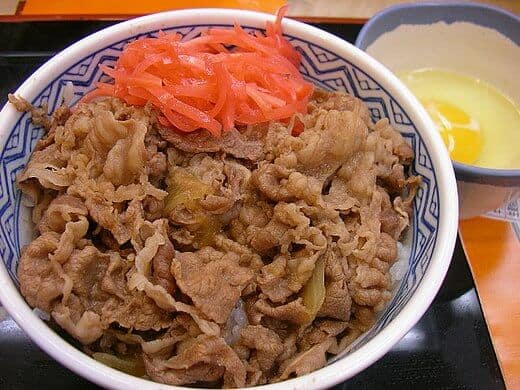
[232, 262]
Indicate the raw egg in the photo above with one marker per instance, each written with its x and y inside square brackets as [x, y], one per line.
[460, 132]
[478, 124]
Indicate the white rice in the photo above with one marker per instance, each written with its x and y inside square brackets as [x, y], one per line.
[237, 320]
[398, 269]
[68, 93]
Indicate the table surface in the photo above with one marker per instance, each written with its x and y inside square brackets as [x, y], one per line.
[493, 250]
[450, 347]
[348, 10]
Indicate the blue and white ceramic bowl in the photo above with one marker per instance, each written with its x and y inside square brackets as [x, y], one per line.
[473, 39]
[331, 64]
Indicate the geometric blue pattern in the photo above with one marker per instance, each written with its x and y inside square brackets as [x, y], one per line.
[321, 66]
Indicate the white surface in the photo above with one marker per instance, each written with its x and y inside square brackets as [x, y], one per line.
[463, 47]
[335, 372]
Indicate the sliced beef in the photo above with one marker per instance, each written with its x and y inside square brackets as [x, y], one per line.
[232, 142]
[337, 303]
[336, 136]
[87, 268]
[40, 283]
[320, 331]
[208, 350]
[212, 279]
[62, 209]
[86, 329]
[137, 311]
[161, 264]
[293, 312]
[305, 362]
[201, 372]
[266, 344]
[342, 102]
[234, 261]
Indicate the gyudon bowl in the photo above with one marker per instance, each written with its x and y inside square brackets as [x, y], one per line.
[329, 63]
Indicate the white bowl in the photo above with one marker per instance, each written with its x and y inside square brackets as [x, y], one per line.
[473, 39]
[329, 62]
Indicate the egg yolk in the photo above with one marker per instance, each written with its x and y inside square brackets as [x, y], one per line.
[460, 132]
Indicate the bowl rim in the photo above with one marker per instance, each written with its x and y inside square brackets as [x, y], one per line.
[464, 172]
[348, 365]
